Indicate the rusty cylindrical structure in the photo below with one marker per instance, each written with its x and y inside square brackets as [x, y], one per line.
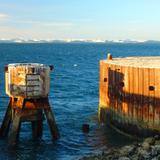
[129, 94]
[27, 85]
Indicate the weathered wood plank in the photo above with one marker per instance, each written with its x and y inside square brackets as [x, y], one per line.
[135, 94]
[6, 121]
[151, 96]
[157, 98]
[15, 128]
[52, 123]
[140, 94]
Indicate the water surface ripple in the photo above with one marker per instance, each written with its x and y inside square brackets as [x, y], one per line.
[73, 96]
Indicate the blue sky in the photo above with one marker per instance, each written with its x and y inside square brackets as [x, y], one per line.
[80, 19]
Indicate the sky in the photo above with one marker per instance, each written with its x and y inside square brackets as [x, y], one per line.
[80, 19]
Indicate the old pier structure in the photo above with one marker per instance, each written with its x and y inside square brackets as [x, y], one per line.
[27, 85]
[129, 94]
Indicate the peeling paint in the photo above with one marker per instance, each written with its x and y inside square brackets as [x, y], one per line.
[27, 80]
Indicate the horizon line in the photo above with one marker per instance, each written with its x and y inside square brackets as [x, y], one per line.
[21, 40]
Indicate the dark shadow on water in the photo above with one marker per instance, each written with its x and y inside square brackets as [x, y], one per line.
[109, 138]
[28, 150]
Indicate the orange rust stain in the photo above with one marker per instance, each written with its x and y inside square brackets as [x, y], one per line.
[103, 84]
[131, 91]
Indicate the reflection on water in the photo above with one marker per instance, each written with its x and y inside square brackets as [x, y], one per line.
[71, 146]
[73, 96]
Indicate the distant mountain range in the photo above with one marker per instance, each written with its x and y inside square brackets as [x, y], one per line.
[74, 41]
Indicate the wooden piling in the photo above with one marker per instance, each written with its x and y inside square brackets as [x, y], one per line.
[27, 86]
[6, 121]
[15, 127]
[33, 111]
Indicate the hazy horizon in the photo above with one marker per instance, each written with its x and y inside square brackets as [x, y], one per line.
[78, 40]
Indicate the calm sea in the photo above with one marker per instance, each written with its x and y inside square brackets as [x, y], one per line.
[73, 96]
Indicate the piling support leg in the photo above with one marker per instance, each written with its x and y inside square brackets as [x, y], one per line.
[37, 126]
[15, 128]
[52, 123]
[6, 121]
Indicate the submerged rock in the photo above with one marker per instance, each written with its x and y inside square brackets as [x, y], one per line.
[123, 158]
[155, 150]
[149, 149]
[146, 146]
[150, 140]
[127, 150]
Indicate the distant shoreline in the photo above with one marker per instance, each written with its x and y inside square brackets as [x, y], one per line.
[19, 41]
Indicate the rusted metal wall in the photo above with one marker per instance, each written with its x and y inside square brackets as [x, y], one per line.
[27, 80]
[130, 95]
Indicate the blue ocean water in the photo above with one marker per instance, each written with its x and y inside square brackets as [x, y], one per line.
[73, 96]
